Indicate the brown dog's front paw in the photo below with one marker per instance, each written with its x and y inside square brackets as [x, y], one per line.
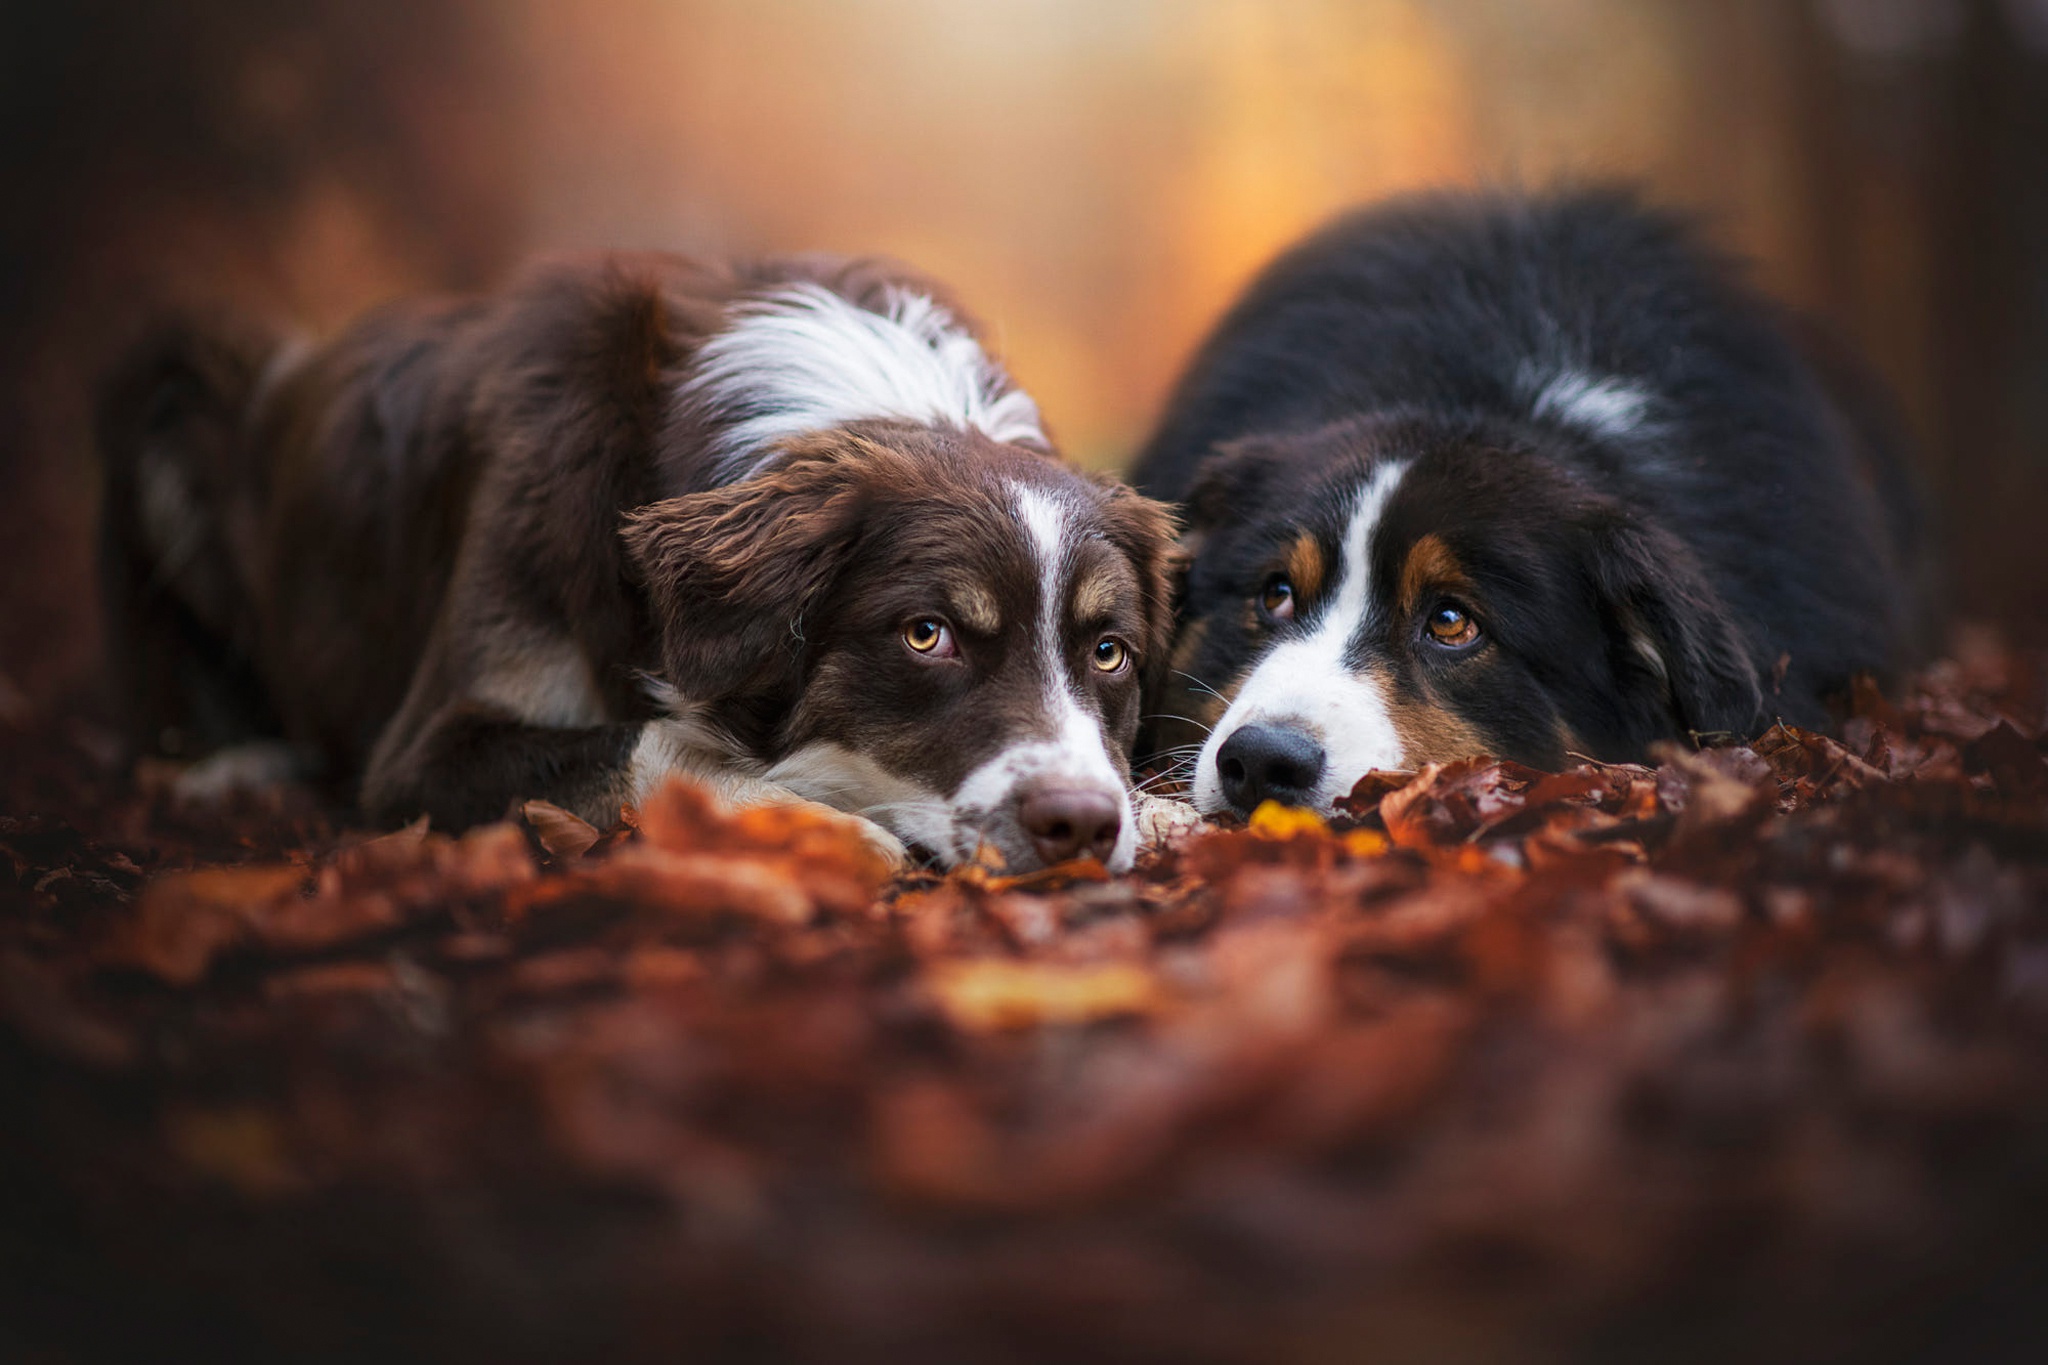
[890, 848]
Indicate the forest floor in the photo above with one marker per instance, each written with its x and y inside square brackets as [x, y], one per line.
[1741, 1055]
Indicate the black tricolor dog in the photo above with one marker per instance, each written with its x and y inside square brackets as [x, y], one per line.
[1524, 476]
[784, 526]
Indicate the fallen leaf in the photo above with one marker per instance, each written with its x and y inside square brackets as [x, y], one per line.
[1274, 821]
[182, 921]
[992, 993]
[562, 833]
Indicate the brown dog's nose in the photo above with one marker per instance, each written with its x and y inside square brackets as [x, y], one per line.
[1067, 822]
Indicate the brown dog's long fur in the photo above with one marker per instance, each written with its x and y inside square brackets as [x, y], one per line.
[461, 539]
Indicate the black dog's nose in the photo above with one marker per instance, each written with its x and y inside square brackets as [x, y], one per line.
[1067, 822]
[1267, 763]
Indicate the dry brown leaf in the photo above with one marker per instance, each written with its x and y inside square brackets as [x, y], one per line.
[563, 833]
[1543, 1040]
[702, 884]
[183, 920]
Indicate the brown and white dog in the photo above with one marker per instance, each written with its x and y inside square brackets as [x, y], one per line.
[786, 527]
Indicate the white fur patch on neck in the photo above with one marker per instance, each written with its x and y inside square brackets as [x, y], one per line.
[834, 775]
[1308, 684]
[683, 742]
[803, 359]
[1602, 405]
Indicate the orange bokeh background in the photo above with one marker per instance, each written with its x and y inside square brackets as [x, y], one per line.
[1096, 177]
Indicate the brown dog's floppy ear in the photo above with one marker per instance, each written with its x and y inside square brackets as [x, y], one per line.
[729, 573]
[1143, 529]
[1676, 628]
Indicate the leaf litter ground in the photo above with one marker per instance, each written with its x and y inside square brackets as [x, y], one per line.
[1738, 1054]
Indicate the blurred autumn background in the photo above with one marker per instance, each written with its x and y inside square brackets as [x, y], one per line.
[1096, 176]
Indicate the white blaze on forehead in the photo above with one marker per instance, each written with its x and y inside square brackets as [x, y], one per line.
[1064, 745]
[1045, 522]
[803, 359]
[1306, 683]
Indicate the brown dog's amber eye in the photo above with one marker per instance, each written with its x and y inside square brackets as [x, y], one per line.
[1110, 654]
[1276, 599]
[929, 636]
[1449, 625]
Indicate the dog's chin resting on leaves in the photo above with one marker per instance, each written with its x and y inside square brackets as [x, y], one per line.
[784, 528]
[1536, 477]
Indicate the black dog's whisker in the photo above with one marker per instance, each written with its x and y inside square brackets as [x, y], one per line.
[1185, 720]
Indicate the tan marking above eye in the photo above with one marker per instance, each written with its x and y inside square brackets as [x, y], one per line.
[1430, 570]
[977, 609]
[1305, 567]
[1094, 596]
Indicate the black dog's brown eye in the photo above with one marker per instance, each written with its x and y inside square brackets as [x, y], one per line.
[1449, 625]
[930, 637]
[1110, 654]
[1276, 599]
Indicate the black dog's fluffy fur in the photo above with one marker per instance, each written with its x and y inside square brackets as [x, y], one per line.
[1721, 533]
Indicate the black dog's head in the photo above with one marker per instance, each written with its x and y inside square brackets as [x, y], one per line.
[1388, 592]
[918, 624]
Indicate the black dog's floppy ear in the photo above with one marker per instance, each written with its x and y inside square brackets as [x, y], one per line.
[1675, 627]
[730, 573]
[1235, 478]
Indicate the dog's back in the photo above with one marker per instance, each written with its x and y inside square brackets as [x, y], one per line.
[180, 622]
[266, 502]
[282, 522]
[1676, 388]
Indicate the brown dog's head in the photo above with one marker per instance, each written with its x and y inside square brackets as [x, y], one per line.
[922, 625]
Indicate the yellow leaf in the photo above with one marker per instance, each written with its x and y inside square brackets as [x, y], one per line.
[992, 993]
[1366, 843]
[1275, 821]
